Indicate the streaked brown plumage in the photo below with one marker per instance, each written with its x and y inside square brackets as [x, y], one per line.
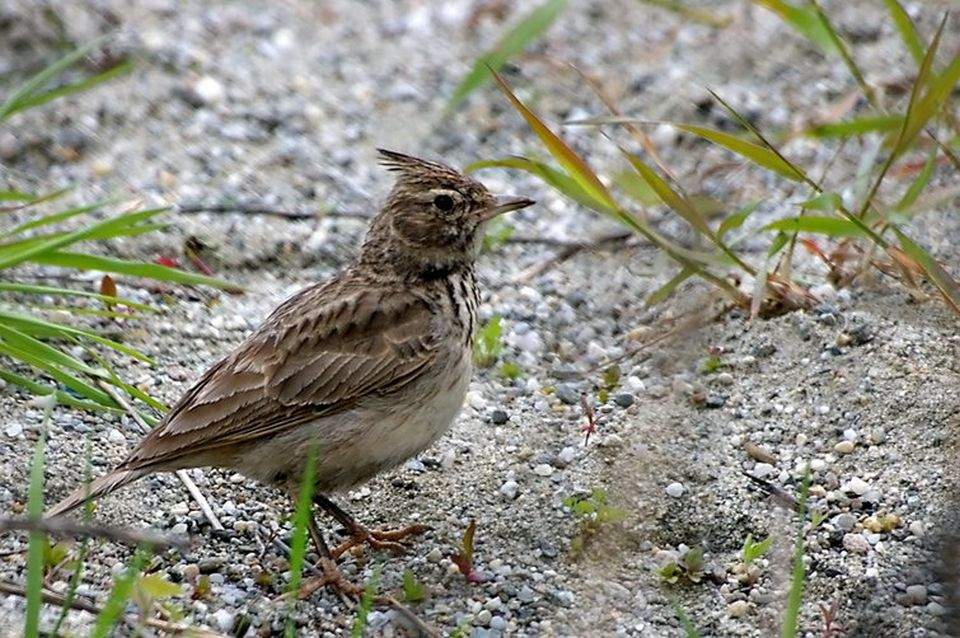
[369, 367]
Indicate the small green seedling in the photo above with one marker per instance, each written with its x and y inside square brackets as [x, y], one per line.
[413, 590]
[593, 512]
[752, 550]
[608, 383]
[690, 567]
[366, 604]
[487, 346]
[510, 370]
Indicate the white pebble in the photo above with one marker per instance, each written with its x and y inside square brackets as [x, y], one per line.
[209, 89]
[115, 436]
[763, 470]
[224, 619]
[14, 430]
[675, 490]
[857, 486]
[543, 469]
[510, 489]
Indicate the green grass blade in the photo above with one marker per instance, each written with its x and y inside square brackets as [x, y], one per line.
[301, 523]
[673, 199]
[37, 327]
[908, 31]
[855, 127]
[736, 220]
[81, 261]
[791, 615]
[85, 544]
[939, 277]
[41, 350]
[559, 180]
[921, 109]
[52, 218]
[693, 14]
[829, 226]
[636, 188]
[63, 398]
[79, 386]
[38, 81]
[565, 156]
[54, 291]
[916, 187]
[115, 226]
[844, 52]
[755, 153]
[366, 604]
[664, 292]
[689, 629]
[123, 587]
[806, 22]
[31, 628]
[16, 196]
[512, 43]
[69, 89]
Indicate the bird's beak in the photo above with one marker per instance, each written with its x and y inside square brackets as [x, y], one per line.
[505, 205]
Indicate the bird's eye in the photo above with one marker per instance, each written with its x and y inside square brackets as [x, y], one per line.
[443, 202]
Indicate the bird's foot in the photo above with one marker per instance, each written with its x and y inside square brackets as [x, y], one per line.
[378, 539]
[331, 577]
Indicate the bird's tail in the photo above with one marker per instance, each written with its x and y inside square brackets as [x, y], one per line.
[97, 488]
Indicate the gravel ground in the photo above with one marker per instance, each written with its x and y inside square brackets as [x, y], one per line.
[283, 105]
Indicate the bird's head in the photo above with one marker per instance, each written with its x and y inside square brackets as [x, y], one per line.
[433, 220]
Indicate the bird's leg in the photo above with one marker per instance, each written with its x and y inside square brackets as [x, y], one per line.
[330, 574]
[360, 535]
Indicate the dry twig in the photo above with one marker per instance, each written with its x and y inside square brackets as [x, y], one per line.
[65, 527]
[81, 604]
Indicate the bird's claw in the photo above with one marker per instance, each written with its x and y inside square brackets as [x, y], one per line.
[379, 539]
[331, 577]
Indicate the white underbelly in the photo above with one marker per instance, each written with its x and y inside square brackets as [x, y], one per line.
[353, 446]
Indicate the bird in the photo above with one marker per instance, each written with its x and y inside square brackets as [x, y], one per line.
[362, 371]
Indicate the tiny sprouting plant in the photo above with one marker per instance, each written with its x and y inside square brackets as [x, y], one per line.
[487, 346]
[464, 558]
[752, 550]
[608, 383]
[413, 589]
[510, 370]
[689, 567]
[590, 425]
[594, 512]
[366, 603]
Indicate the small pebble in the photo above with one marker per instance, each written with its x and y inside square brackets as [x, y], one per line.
[624, 400]
[543, 469]
[675, 490]
[916, 595]
[738, 608]
[856, 485]
[568, 394]
[855, 543]
[845, 521]
[14, 430]
[499, 417]
[844, 447]
[510, 489]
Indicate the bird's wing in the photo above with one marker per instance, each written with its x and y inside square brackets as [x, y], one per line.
[318, 354]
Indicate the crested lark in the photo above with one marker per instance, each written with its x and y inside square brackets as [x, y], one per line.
[368, 368]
